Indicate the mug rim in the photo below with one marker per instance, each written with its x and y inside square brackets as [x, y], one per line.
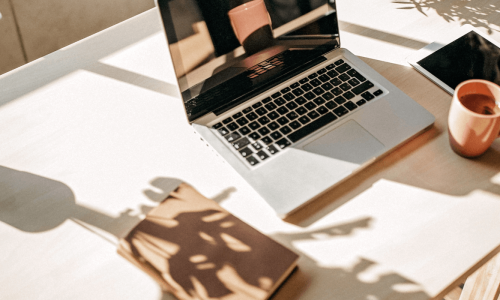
[244, 6]
[486, 82]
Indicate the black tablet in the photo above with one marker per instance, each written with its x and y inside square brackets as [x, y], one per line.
[470, 54]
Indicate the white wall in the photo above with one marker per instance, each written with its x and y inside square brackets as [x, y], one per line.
[30, 29]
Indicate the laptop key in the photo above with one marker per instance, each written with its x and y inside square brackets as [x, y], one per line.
[257, 146]
[273, 115]
[336, 81]
[319, 101]
[300, 100]
[280, 101]
[344, 77]
[285, 130]
[244, 130]
[252, 116]
[283, 143]
[252, 160]
[350, 106]
[262, 155]
[256, 105]
[247, 110]
[304, 120]
[327, 86]
[367, 96]
[361, 102]
[264, 131]
[311, 127]
[313, 114]
[233, 136]
[226, 121]
[292, 115]
[272, 149]
[254, 136]
[337, 91]
[324, 78]
[342, 68]
[353, 82]
[242, 121]
[345, 86]
[282, 120]
[254, 125]
[340, 111]
[310, 105]
[289, 96]
[340, 100]
[356, 75]
[378, 92]
[328, 96]
[241, 143]
[362, 87]
[322, 110]
[330, 104]
[316, 82]
[217, 126]
[273, 126]
[261, 111]
[307, 87]
[301, 110]
[246, 152]
[291, 105]
[237, 115]
[295, 125]
[223, 131]
[233, 126]
[348, 95]
[270, 106]
[276, 135]
[339, 62]
[267, 140]
[264, 120]
[282, 110]
[310, 96]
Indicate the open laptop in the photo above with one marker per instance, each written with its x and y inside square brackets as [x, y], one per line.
[296, 118]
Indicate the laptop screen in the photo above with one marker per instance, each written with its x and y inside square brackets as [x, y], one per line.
[216, 45]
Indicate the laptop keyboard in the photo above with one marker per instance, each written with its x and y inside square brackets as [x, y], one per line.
[263, 129]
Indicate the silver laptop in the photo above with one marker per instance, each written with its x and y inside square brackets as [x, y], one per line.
[293, 119]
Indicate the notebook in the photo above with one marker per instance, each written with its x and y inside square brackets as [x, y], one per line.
[195, 249]
[295, 118]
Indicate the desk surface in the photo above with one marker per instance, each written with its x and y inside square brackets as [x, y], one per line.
[94, 135]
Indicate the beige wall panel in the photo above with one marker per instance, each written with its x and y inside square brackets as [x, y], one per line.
[48, 25]
[11, 54]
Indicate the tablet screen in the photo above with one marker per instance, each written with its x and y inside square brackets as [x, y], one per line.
[468, 57]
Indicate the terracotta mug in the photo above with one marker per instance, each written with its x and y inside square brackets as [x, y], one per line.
[252, 26]
[474, 118]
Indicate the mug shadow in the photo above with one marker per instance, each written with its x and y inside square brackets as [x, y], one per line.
[33, 203]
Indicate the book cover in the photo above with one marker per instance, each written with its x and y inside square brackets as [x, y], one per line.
[195, 249]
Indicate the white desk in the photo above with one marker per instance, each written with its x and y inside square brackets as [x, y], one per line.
[92, 135]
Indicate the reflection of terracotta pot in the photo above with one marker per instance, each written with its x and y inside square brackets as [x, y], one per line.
[252, 25]
[471, 133]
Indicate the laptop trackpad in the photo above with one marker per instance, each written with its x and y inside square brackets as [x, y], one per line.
[349, 142]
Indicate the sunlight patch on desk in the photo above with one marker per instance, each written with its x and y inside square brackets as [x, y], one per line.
[411, 231]
[496, 179]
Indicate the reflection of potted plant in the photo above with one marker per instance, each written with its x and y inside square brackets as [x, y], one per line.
[475, 13]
